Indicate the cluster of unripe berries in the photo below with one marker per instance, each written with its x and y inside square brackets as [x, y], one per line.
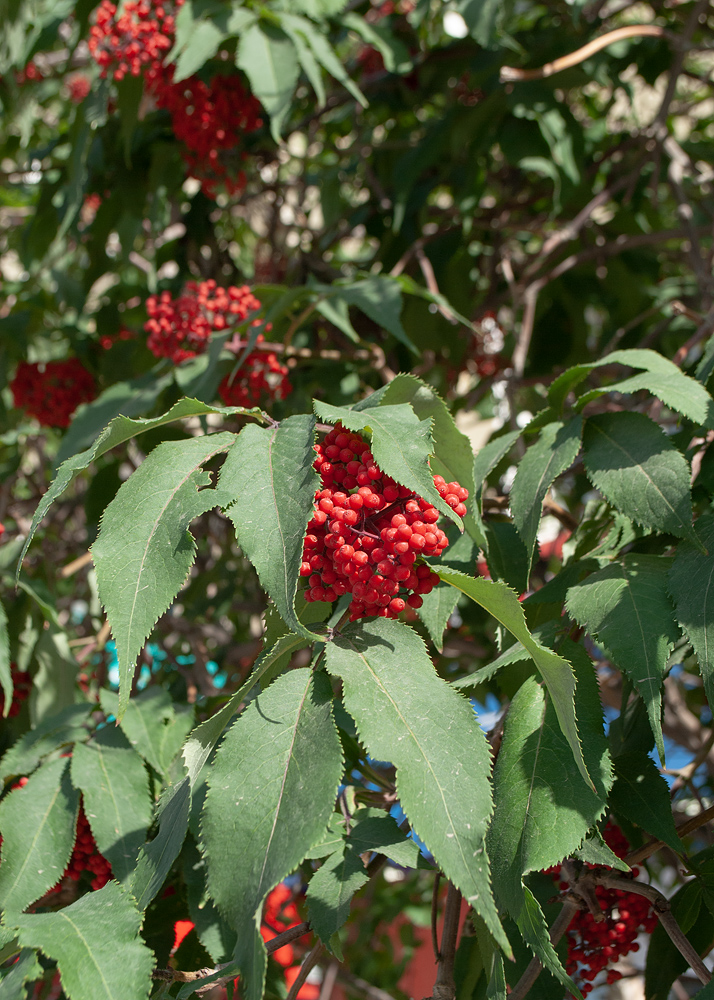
[51, 391]
[368, 534]
[181, 328]
[21, 684]
[208, 117]
[593, 944]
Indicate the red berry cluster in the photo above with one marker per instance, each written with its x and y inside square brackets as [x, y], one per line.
[78, 85]
[178, 328]
[137, 39]
[30, 72]
[51, 391]
[367, 532]
[263, 375]
[22, 685]
[86, 857]
[210, 118]
[594, 945]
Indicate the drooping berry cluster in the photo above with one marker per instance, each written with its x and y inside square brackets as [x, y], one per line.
[181, 328]
[137, 39]
[210, 118]
[593, 945]
[22, 685]
[367, 533]
[51, 391]
[261, 374]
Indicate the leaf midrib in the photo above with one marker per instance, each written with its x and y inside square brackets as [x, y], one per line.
[84, 941]
[39, 830]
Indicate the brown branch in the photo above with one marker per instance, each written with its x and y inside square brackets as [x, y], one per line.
[647, 850]
[661, 906]
[430, 278]
[73, 567]
[445, 985]
[512, 73]
[434, 915]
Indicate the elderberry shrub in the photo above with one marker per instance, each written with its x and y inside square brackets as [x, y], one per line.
[367, 533]
[593, 944]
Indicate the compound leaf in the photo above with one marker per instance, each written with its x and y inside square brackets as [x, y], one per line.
[96, 944]
[271, 793]
[144, 551]
[407, 715]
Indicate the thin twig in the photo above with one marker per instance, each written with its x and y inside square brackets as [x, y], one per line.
[512, 73]
[661, 906]
[434, 914]
[430, 278]
[73, 567]
[309, 962]
[362, 986]
[647, 850]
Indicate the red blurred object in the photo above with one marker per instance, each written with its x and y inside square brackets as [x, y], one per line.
[51, 391]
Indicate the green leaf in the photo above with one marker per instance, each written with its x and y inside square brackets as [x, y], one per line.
[501, 602]
[485, 462]
[641, 795]
[145, 721]
[401, 445]
[202, 740]
[213, 932]
[594, 851]
[5, 672]
[268, 58]
[407, 715]
[271, 792]
[453, 457]
[542, 807]
[96, 944]
[437, 607]
[373, 831]
[115, 789]
[307, 61]
[329, 894]
[496, 989]
[158, 855]
[25, 969]
[54, 732]
[269, 476]
[676, 390]
[626, 608]
[636, 467]
[121, 429]
[204, 42]
[394, 53]
[378, 297]
[38, 825]
[553, 453]
[330, 61]
[665, 962]
[690, 584]
[144, 551]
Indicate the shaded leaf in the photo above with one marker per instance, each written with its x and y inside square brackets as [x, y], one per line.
[626, 608]
[329, 894]
[158, 855]
[268, 58]
[553, 453]
[144, 551]
[690, 584]
[148, 715]
[269, 477]
[38, 824]
[96, 945]
[115, 790]
[637, 468]
[25, 969]
[271, 792]
[53, 732]
[501, 602]
[407, 715]
[641, 795]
